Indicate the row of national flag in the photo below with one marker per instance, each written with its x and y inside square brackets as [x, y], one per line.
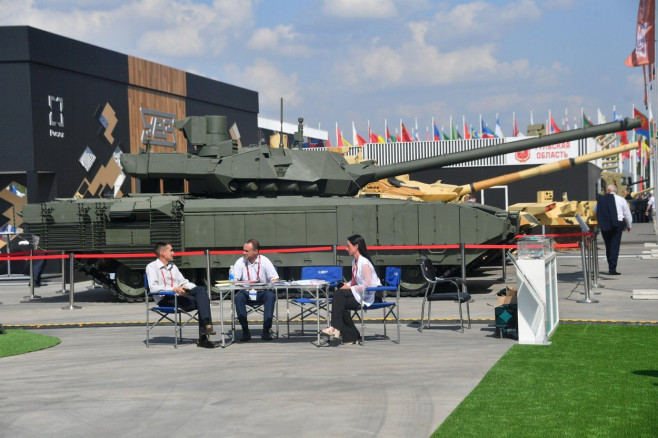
[403, 134]
[468, 132]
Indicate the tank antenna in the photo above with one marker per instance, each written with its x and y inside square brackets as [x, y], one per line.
[281, 131]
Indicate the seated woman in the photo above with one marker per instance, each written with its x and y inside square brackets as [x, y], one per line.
[349, 297]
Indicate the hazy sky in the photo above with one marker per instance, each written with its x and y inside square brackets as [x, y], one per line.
[369, 60]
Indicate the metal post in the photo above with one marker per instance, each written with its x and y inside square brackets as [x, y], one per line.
[63, 291]
[6, 238]
[208, 278]
[71, 305]
[504, 257]
[594, 272]
[31, 297]
[462, 248]
[586, 276]
[596, 256]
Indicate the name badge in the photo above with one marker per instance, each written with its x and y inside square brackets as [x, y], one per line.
[252, 294]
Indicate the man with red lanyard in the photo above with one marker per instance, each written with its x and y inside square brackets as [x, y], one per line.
[256, 268]
[163, 275]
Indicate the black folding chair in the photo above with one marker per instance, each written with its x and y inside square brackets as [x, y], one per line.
[431, 294]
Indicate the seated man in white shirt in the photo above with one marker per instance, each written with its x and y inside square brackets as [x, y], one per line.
[256, 268]
[163, 275]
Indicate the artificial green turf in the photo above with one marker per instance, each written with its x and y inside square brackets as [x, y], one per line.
[592, 381]
[20, 341]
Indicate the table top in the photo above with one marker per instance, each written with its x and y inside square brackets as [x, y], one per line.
[225, 284]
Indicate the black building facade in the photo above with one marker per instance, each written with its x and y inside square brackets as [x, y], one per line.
[68, 109]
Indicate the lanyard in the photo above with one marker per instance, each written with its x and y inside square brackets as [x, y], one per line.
[246, 266]
[171, 275]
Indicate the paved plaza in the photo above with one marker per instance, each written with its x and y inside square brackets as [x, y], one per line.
[102, 381]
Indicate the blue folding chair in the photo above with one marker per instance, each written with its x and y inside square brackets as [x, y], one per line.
[173, 314]
[389, 308]
[310, 306]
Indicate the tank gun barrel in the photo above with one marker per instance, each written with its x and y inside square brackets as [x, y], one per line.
[542, 169]
[379, 172]
[636, 194]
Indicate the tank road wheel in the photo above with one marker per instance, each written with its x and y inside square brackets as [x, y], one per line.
[129, 284]
[412, 281]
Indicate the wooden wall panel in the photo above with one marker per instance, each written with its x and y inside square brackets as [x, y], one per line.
[147, 74]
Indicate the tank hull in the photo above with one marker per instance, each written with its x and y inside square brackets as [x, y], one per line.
[396, 232]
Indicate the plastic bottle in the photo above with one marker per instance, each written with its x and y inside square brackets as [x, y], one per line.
[231, 275]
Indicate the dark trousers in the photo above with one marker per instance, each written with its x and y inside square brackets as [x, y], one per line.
[37, 268]
[341, 314]
[263, 297]
[612, 240]
[196, 298]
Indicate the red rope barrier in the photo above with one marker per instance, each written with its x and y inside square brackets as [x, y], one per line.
[18, 256]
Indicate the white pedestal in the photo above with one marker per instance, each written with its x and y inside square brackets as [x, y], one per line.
[537, 299]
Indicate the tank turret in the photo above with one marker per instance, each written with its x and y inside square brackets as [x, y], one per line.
[221, 169]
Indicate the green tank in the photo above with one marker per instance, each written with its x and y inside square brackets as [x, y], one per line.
[287, 198]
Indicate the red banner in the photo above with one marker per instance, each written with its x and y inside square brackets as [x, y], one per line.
[644, 35]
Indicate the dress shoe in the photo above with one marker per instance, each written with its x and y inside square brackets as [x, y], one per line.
[349, 343]
[206, 343]
[246, 336]
[614, 273]
[266, 336]
[207, 330]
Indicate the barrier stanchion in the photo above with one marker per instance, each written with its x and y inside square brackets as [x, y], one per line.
[63, 291]
[462, 248]
[31, 297]
[208, 278]
[586, 276]
[595, 251]
[71, 305]
[593, 271]
[504, 258]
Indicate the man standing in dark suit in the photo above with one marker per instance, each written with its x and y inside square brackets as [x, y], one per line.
[613, 215]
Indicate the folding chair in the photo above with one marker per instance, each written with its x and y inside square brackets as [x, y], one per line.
[310, 306]
[173, 314]
[257, 308]
[389, 308]
[429, 274]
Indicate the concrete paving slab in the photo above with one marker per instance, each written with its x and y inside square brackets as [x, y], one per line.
[102, 381]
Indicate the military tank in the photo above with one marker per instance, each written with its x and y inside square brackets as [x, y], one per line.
[292, 200]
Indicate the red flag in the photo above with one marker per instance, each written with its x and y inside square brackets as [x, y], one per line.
[554, 129]
[467, 132]
[339, 137]
[373, 138]
[643, 54]
[644, 128]
[405, 134]
[516, 128]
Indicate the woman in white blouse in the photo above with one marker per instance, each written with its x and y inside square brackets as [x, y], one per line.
[351, 295]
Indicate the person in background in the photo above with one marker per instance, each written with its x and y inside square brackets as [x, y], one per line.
[651, 206]
[255, 267]
[353, 294]
[613, 216]
[163, 275]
